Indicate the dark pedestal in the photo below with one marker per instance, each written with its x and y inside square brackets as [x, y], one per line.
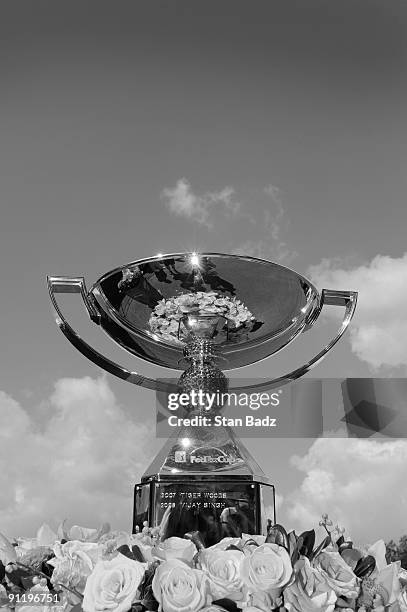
[214, 507]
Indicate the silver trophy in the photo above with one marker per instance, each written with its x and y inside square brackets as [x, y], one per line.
[202, 314]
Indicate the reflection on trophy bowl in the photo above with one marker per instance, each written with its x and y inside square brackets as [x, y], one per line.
[281, 302]
[197, 325]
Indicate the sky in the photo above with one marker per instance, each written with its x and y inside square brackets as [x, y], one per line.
[272, 128]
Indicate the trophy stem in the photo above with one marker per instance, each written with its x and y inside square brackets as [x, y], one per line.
[203, 381]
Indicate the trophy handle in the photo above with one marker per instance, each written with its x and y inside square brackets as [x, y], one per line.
[63, 284]
[330, 297]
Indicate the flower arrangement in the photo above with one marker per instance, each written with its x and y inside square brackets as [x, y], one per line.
[110, 571]
[168, 313]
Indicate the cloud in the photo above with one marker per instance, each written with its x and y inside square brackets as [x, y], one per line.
[182, 201]
[361, 484]
[80, 464]
[379, 329]
[270, 243]
[269, 230]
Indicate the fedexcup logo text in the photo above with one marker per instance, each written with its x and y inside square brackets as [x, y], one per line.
[181, 457]
[210, 459]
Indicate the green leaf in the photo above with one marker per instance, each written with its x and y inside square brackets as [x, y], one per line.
[227, 604]
[145, 588]
[196, 538]
[365, 567]
[292, 541]
[137, 554]
[325, 542]
[278, 535]
[150, 602]
[16, 576]
[27, 582]
[296, 552]
[307, 544]
[127, 552]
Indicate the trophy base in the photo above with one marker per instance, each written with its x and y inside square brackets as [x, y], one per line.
[204, 480]
[214, 507]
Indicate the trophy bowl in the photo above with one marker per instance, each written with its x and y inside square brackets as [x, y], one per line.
[281, 301]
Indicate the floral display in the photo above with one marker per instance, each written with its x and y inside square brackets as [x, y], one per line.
[167, 316]
[110, 571]
[112, 584]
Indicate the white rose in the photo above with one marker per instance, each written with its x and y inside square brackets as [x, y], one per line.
[337, 574]
[113, 585]
[388, 578]
[223, 570]
[268, 568]
[178, 588]
[402, 600]
[175, 548]
[309, 591]
[73, 563]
